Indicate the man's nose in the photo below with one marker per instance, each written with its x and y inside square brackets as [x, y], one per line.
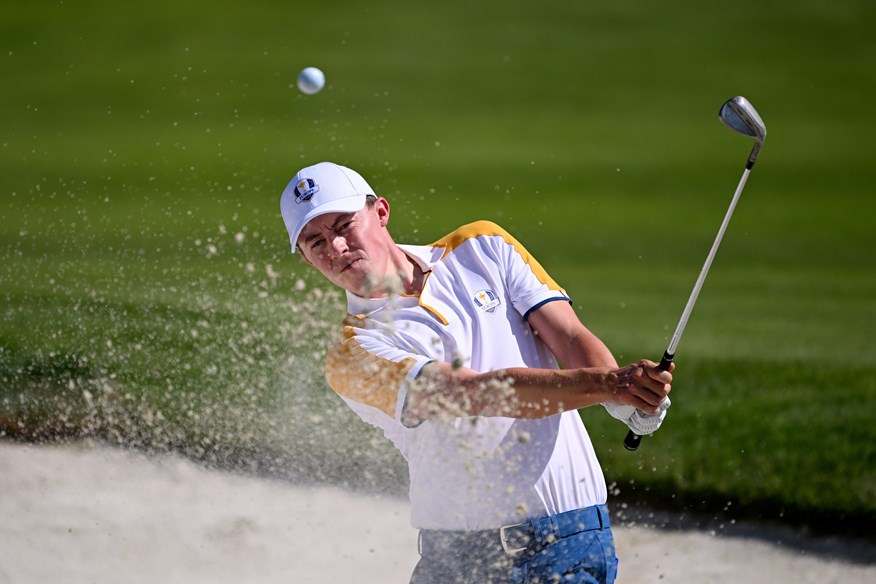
[337, 246]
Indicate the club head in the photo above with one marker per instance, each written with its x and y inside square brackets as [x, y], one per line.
[739, 115]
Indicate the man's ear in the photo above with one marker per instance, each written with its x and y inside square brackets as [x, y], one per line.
[381, 206]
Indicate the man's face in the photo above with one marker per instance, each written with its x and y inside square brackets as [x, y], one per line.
[350, 249]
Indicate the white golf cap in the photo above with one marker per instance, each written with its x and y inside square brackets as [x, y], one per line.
[319, 189]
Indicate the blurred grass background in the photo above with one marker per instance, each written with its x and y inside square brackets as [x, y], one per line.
[148, 296]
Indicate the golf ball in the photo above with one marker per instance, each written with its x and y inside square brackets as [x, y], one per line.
[311, 80]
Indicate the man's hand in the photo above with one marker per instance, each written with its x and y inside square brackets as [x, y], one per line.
[641, 385]
[640, 396]
[641, 424]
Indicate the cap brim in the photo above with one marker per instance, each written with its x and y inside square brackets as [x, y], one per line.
[349, 204]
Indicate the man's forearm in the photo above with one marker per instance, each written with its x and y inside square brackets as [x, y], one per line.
[516, 392]
[443, 391]
[537, 393]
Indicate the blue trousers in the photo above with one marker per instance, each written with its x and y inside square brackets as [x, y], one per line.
[582, 557]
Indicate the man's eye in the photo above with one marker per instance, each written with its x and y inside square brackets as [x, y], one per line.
[316, 244]
[346, 225]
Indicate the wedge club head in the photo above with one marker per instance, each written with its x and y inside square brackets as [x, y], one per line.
[739, 115]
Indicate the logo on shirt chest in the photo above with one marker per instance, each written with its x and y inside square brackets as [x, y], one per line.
[486, 301]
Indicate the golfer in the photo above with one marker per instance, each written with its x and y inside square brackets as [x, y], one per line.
[452, 349]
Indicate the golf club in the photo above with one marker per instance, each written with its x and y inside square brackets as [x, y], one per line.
[740, 116]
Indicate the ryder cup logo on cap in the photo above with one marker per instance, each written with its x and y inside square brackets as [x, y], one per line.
[319, 189]
[305, 189]
[486, 301]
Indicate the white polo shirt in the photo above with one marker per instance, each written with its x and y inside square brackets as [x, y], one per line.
[466, 473]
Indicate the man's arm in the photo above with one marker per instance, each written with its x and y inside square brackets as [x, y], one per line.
[591, 377]
[558, 327]
[520, 392]
[442, 390]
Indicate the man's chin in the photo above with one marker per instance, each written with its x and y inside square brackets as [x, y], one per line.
[356, 282]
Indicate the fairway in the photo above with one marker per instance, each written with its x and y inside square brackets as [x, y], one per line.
[148, 297]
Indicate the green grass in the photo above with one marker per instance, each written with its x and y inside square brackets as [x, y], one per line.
[140, 142]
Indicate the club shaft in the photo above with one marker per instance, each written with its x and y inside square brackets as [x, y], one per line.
[691, 302]
[632, 441]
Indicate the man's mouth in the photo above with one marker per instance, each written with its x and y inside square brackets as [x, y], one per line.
[348, 265]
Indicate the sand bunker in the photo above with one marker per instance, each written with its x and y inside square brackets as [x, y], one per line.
[89, 513]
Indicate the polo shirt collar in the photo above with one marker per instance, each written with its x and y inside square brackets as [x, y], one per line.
[425, 256]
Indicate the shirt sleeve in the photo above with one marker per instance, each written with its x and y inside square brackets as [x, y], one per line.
[365, 366]
[529, 285]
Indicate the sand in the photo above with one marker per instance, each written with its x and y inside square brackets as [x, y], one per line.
[89, 513]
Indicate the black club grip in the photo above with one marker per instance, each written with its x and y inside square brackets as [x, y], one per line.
[632, 441]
